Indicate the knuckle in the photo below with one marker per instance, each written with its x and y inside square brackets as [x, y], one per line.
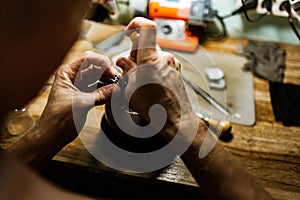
[150, 59]
[169, 55]
[141, 22]
[87, 53]
[106, 59]
[177, 64]
[101, 95]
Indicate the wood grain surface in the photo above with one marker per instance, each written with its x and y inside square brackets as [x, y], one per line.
[269, 150]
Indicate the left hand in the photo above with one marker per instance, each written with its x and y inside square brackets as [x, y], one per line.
[71, 98]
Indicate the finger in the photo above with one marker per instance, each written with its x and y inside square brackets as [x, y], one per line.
[134, 37]
[110, 75]
[94, 73]
[85, 60]
[170, 60]
[167, 58]
[111, 72]
[89, 80]
[147, 46]
[137, 23]
[125, 64]
[92, 58]
[91, 71]
[147, 38]
[86, 77]
[104, 94]
[177, 65]
[88, 63]
[99, 96]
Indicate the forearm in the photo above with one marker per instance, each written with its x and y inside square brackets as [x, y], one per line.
[43, 141]
[218, 173]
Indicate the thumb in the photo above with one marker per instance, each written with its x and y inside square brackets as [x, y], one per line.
[125, 64]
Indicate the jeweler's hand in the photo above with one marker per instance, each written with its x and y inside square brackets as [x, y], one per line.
[75, 91]
[147, 64]
[73, 94]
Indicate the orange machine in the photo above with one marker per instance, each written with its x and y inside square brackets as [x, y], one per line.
[173, 18]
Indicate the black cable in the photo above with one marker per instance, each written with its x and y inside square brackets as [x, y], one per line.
[291, 22]
[226, 16]
[223, 32]
[246, 5]
[287, 6]
[252, 4]
[257, 19]
[244, 8]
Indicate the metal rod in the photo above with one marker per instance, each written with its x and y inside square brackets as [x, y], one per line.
[207, 97]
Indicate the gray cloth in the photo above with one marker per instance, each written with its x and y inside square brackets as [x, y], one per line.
[266, 60]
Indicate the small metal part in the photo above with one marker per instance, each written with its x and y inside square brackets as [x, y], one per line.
[111, 80]
[123, 82]
[214, 73]
[95, 83]
[219, 85]
[173, 29]
[223, 127]
[216, 77]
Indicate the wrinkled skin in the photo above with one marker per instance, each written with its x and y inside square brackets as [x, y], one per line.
[70, 91]
[218, 173]
[32, 45]
[147, 63]
[25, 34]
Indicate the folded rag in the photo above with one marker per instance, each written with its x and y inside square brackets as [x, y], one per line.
[265, 60]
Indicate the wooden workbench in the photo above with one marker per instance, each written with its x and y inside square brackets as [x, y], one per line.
[268, 149]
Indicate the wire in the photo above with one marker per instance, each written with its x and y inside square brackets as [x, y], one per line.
[257, 19]
[287, 6]
[223, 32]
[244, 8]
[226, 16]
[291, 22]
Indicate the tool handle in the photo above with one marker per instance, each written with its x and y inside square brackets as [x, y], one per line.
[221, 126]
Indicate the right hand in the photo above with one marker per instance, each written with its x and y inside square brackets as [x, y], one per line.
[146, 64]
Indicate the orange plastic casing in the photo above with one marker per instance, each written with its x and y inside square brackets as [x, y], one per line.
[172, 10]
